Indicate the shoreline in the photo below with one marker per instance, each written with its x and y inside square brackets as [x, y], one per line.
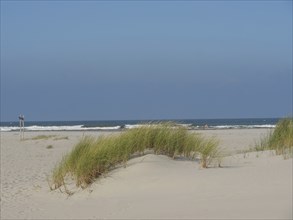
[251, 185]
[192, 124]
[125, 129]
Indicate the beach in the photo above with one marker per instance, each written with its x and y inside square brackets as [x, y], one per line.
[247, 186]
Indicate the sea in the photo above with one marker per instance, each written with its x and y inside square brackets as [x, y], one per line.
[118, 125]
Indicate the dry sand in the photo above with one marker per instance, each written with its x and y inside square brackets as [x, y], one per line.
[254, 185]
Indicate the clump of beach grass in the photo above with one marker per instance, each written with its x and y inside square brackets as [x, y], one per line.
[47, 137]
[43, 137]
[209, 151]
[93, 157]
[280, 140]
[61, 138]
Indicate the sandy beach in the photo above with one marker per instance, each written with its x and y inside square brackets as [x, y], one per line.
[248, 186]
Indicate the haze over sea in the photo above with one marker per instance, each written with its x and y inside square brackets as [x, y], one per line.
[128, 124]
[76, 60]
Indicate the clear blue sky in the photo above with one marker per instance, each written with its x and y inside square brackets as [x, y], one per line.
[98, 60]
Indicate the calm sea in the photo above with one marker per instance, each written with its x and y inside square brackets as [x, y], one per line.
[128, 124]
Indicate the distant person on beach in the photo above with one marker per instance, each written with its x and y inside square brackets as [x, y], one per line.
[21, 120]
[21, 117]
[21, 126]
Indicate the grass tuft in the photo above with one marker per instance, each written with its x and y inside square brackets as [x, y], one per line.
[92, 157]
[280, 140]
[47, 137]
[43, 137]
[61, 138]
[208, 151]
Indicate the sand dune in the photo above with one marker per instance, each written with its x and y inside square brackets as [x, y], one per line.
[254, 185]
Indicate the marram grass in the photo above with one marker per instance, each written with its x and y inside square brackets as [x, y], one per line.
[43, 137]
[93, 157]
[280, 140]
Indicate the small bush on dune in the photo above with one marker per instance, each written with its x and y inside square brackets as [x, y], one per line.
[93, 157]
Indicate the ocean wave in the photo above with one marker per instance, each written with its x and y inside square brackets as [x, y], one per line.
[132, 126]
[263, 126]
[186, 125]
[59, 128]
[242, 126]
[9, 128]
[120, 127]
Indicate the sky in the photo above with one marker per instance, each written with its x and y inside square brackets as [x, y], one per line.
[121, 60]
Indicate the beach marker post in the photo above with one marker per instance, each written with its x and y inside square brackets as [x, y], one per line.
[21, 126]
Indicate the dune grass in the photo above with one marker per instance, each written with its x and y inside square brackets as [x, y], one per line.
[47, 137]
[280, 140]
[61, 138]
[93, 157]
[43, 137]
